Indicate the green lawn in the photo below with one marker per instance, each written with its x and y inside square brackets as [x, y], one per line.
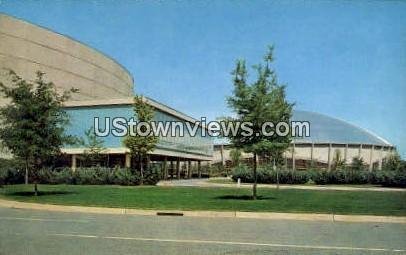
[224, 199]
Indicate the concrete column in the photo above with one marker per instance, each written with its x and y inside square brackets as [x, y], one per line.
[293, 157]
[172, 168]
[329, 157]
[128, 160]
[199, 169]
[73, 166]
[209, 167]
[223, 160]
[189, 169]
[178, 168]
[186, 169]
[165, 168]
[312, 152]
[286, 161]
[371, 154]
[345, 153]
[360, 151]
[380, 158]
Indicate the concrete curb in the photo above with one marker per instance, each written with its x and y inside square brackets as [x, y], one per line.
[207, 214]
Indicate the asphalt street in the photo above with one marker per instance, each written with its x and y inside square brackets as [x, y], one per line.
[42, 232]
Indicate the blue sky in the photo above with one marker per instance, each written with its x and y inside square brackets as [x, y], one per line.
[341, 58]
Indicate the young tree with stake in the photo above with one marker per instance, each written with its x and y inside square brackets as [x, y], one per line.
[141, 145]
[262, 101]
[95, 148]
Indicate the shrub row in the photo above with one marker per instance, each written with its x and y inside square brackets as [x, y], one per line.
[83, 176]
[267, 176]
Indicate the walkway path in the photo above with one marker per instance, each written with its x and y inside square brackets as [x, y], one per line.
[207, 183]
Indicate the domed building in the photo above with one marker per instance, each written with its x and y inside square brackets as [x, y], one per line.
[328, 138]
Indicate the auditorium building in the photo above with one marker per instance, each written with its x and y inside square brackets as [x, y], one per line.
[106, 89]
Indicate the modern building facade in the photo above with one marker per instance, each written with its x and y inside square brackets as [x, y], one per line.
[328, 137]
[184, 148]
[105, 90]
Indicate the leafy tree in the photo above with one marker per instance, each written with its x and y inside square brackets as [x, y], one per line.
[403, 166]
[311, 164]
[235, 155]
[262, 101]
[94, 147]
[338, 161]
[393, 162]
[33, 123]
[357, 164]
[141, 145]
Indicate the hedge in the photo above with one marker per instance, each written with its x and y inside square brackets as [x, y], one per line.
[266, 175]
[83, 176]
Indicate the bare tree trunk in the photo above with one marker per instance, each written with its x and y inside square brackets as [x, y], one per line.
[277, 173]
[254, 187]
[26, 172]
[35, 188]
[141, 170]
[148, 163]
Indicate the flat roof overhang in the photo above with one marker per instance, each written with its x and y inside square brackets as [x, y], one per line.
[160, 152]
[130, 101]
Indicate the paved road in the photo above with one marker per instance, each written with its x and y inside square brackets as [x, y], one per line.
[41, 232]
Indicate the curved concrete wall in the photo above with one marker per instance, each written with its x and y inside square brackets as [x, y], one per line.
[371, 154]
[27, 48]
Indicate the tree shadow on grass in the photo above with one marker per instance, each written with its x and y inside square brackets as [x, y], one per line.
[243, 197]
[40, 193]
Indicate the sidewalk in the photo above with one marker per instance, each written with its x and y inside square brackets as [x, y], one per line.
[209, 214]
[206, 183]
